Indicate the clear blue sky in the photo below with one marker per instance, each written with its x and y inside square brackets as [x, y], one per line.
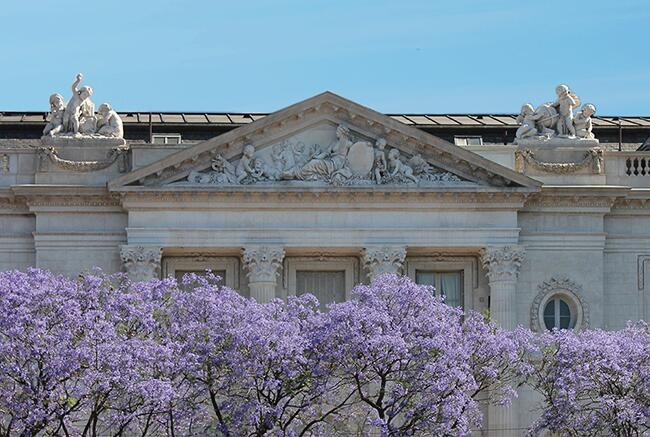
[394, 56]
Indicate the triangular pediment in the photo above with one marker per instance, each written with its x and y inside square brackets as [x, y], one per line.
[324, 140]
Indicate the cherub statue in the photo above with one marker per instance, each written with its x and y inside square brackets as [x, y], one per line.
[419, 165]
[57, 109]
[399, 170]
[566, 101]
[79, 106]
[527, 120]
[109, 123]
[380, 165]
[246, 168]
[582, 121]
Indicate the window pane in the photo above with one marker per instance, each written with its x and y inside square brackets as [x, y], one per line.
[549, 315]
[565, 315]
[425, 278]
[158, 140]
[328, 287]
[450, 288]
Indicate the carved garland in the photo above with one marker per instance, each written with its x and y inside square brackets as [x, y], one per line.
[553, 286]
[87, 166]
[593, 158]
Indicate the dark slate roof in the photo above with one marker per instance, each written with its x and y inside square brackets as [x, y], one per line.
[235, 119]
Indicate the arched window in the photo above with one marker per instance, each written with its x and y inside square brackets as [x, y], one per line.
[558, 314]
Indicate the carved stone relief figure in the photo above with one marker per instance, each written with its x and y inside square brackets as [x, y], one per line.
[344, 162]
[398, 171]
[328, 165]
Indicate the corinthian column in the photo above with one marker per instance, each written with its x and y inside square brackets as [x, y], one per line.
[262, 264]
[502, 265]
[383, 259]
[141, 263]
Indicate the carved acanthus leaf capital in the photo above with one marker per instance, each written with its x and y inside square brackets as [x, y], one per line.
[502, 262]
[141, 263]
[383, 259]
[262, 262]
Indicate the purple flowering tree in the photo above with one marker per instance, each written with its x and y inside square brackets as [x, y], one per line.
[416, 365]
[593, 382]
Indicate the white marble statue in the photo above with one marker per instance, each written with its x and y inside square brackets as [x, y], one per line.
[566, 101]
[79, 106]
[57, 109]
[77, 118]
[582, 121]
[555, 122]
[109, 123]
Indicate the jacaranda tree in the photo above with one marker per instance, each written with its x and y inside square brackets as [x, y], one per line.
[99, 355]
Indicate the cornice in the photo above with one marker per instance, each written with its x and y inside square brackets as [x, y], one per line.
[486, 198]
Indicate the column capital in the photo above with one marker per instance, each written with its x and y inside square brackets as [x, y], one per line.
[383, 259]
[141, 263]
[262, 262]
[502, 262]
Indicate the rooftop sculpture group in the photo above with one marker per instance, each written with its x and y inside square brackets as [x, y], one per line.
[344, 162]
[557, 119]
[77, 117]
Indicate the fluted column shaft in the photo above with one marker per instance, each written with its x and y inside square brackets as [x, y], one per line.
[263, 266]
[502, 265]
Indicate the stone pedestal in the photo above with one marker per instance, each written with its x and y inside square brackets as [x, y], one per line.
[141, 263]
[502, 265]
[81, 161]
[263, 266]
[561, 161]
[383, 259]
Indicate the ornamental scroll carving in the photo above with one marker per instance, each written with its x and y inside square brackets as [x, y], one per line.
[262, 262]
[118, 154]
[385, 259]
[141, 263]
[502, 263]
[562, 286]
[593, 160]
[346, 161]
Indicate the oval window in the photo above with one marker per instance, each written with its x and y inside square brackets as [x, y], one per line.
[558, 314]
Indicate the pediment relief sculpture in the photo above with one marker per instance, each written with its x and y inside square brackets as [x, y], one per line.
[77, 117]
[347, 160]
[556, 121]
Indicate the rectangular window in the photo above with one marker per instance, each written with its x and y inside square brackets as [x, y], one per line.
[178, 274]
[447, 284]
[328, 287]
[470, 140]
[224, 266]
[166, 138]
[330, 279]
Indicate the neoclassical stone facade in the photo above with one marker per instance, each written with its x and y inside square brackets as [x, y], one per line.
[551, 228]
